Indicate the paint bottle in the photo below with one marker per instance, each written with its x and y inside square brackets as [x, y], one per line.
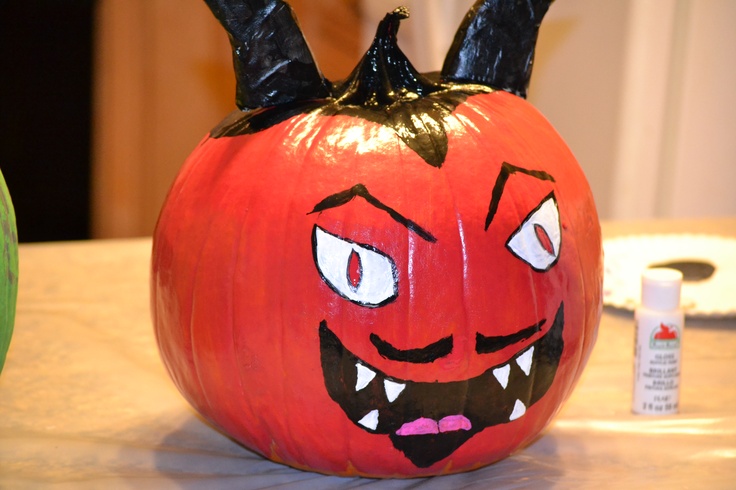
[659, 328]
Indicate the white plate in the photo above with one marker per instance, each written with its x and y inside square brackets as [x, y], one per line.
[626, 257]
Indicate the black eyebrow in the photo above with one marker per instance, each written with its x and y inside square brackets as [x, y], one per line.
[360, 190]
[506, 171]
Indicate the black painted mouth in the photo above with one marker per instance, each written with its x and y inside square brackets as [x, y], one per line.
[428, 421]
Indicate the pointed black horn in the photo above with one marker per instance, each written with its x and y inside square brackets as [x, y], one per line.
[273, 64]
[495, 44]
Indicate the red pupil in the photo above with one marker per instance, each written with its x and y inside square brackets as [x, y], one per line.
[544, 239]
[355, 269]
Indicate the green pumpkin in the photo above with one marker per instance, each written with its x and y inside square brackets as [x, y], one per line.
[8, 269]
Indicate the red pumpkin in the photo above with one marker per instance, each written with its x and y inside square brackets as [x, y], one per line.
[348, 294]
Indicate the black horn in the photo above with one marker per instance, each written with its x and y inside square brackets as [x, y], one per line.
[495, 44]
[273, 64]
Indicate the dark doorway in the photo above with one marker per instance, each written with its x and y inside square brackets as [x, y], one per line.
[45, 115]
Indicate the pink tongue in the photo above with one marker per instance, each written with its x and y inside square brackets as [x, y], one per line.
[424, 425]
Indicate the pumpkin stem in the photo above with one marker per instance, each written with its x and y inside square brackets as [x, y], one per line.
[385, 76]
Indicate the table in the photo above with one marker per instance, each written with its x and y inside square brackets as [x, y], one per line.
[86, 403]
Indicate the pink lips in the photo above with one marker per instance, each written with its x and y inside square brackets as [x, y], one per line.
[425, 425]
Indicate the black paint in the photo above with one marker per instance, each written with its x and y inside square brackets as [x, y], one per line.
[426, 449]
[482, 399]
[273, 64]
[278, 78]
[385, 76]
[495, 44]
[238, 123]
[384, 88]
[360, 190]
[421, 355]
[488, 345]
[508, 170]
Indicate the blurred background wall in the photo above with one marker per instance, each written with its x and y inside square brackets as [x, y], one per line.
[46, 77]
[640, 89]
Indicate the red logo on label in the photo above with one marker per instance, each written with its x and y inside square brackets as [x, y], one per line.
[665, 332]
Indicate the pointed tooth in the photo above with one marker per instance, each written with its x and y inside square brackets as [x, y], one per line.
[365, 376]
[519, 410]
[370, 421]
[502, 375]
[525, 360]
[393, 389]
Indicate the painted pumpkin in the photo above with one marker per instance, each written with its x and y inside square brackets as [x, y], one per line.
[394, 275]
[8, 269]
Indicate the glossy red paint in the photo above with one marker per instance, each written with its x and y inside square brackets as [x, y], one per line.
[238, 298]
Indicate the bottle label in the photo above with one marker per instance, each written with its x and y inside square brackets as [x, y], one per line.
[665, 337]
[657, 367]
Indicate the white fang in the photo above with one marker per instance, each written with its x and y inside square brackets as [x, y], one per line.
[525, 361]
[393, 389]
[370, 421]
[365, 376]
[519, 410]
[502, 375]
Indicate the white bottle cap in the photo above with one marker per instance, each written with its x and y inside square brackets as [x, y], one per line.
[660, 289]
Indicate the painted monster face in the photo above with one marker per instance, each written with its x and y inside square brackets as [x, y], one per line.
[394, 275]
[428, 420]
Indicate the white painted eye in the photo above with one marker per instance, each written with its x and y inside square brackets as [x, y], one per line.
[359, 273]
[537, 241]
